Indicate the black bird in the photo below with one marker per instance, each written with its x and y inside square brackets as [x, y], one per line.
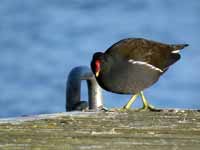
[132, 65]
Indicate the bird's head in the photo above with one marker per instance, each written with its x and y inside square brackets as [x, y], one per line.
[96, 64]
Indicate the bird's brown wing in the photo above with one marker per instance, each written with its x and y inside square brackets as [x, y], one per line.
[155, 53]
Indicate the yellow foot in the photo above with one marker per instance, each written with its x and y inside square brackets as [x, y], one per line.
[123, 109]
[146, 105]
[149, 108]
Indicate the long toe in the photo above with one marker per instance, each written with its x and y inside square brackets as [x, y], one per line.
[152, 108]
[149, 108]
[123, 109]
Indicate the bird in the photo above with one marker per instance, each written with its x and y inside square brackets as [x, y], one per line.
[133, 64]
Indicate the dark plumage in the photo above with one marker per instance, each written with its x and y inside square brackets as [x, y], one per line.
[131, 65]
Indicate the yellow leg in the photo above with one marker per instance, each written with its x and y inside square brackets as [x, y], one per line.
[126, 107]
[146, 105]
[130, 102]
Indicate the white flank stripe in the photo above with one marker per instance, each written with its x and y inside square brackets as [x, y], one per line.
[144, 63]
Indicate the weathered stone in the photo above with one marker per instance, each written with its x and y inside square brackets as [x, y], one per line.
[178, 129]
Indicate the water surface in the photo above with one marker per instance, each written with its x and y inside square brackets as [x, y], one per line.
[42, 41]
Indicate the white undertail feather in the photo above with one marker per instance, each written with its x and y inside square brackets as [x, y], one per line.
[144, 63]
[176, 51]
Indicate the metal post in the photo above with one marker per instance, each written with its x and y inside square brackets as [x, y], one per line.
[73, 91]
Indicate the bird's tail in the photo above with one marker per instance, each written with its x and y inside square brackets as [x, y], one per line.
[179, 46]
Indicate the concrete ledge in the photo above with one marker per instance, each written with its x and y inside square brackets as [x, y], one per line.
[168, 129]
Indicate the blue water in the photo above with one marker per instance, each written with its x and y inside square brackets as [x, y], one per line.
[41, 41]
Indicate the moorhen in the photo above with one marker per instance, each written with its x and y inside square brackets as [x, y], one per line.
[132, 65]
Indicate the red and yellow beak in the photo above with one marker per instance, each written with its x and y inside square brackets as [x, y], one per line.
[97, 68]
